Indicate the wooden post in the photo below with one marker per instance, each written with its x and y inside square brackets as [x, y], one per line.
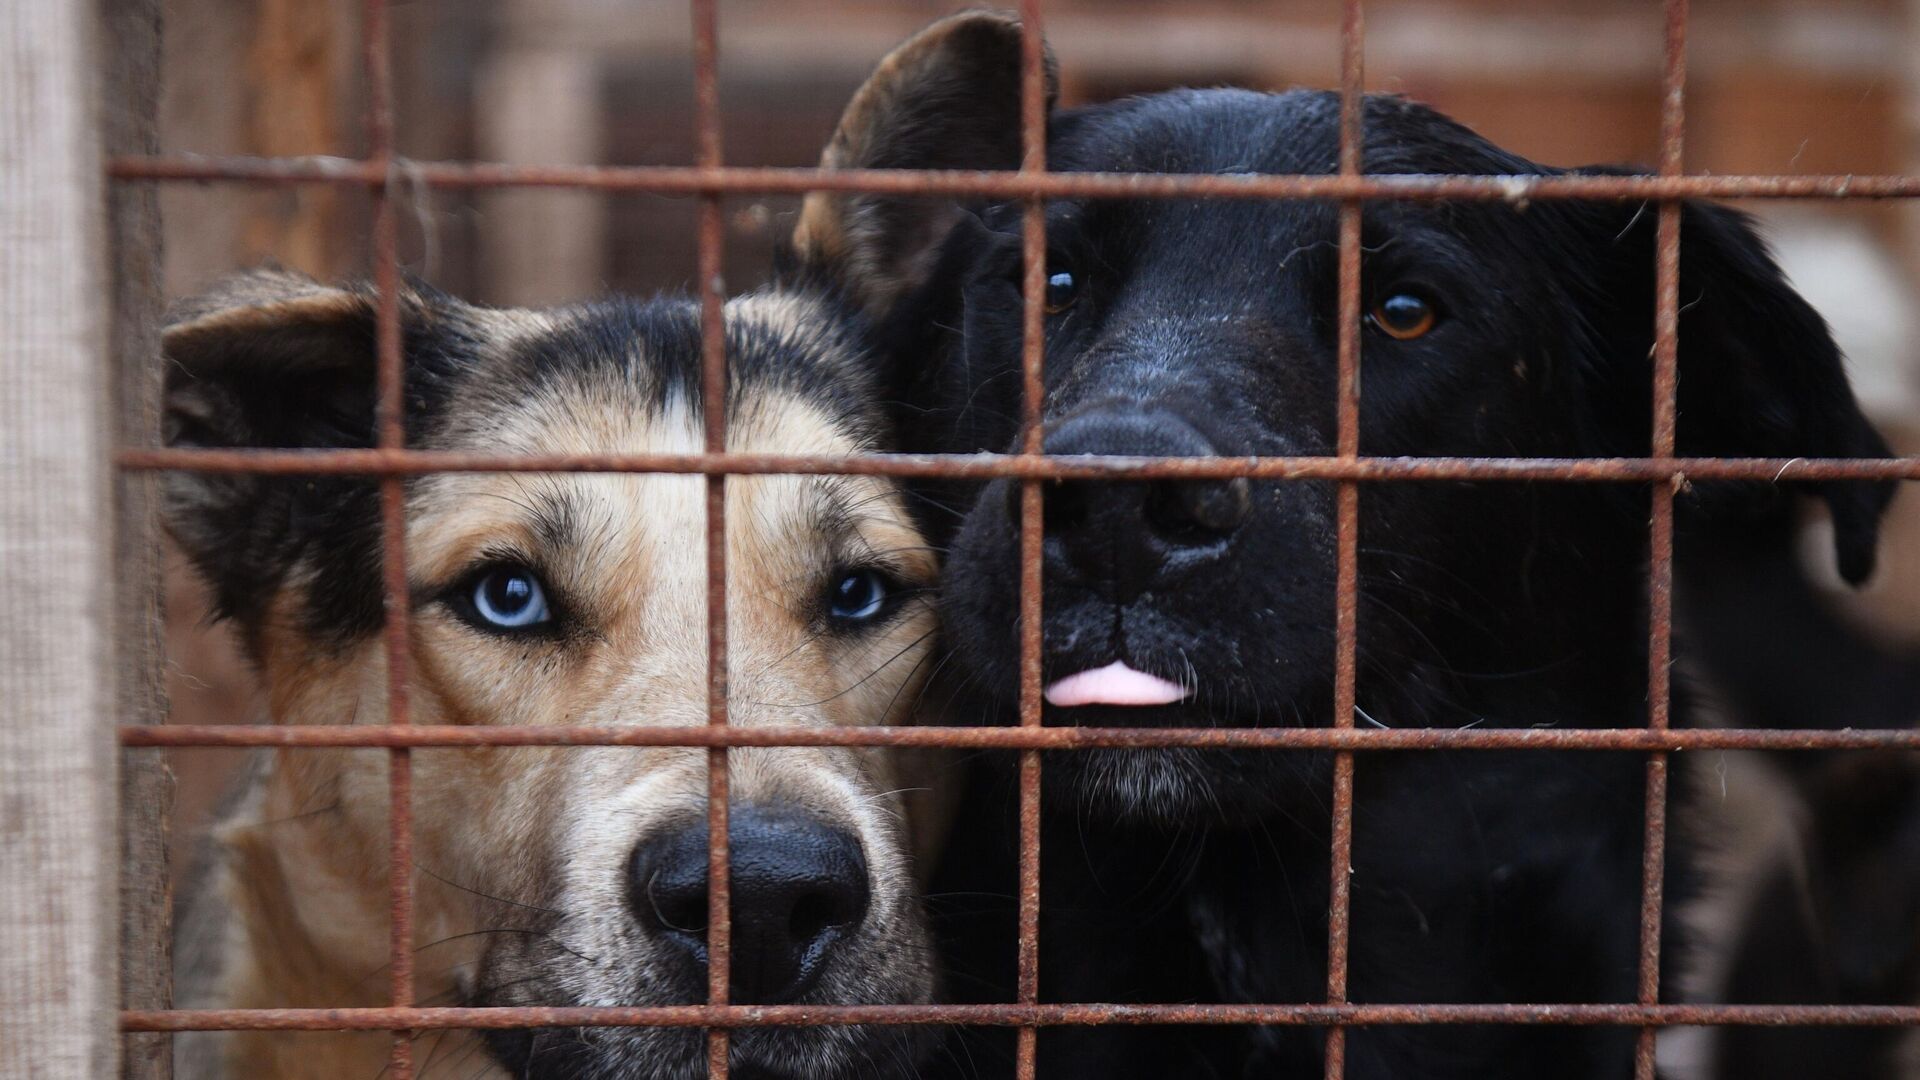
[1909, 134]
[130, 57]
[293, 88]
[538, 101]
[58, 854]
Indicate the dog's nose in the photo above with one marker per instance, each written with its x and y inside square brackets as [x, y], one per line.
[799, 892]
[1127, 531]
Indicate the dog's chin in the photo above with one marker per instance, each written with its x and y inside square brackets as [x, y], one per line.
[809, 1053]
[1177, 787]
[829, 1053]
[1171, 788]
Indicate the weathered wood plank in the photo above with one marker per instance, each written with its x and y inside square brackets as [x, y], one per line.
[58, 856]
[536, 103]
[130, 54]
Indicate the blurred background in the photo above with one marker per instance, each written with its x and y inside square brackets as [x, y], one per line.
[1775, 86]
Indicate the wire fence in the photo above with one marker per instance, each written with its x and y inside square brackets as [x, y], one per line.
[1661, 471]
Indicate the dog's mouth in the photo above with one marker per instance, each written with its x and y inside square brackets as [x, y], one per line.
[1126, 693]
[1162, 678]
[1115, 684]
[1124, 688]
[1116, 693]
[1228, 656]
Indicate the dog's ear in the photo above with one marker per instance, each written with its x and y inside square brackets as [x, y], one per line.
[949, 98]
[269, 359]
[1760, 374]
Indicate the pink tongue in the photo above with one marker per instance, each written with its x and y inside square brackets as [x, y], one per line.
[1115, 684]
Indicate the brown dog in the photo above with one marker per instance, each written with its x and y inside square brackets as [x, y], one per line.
[555, 876]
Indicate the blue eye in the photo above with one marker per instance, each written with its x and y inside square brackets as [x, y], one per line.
[857, 596]
[510, 598]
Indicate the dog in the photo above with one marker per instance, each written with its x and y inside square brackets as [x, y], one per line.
[1832, 915]
[1832, 920]
[556, 876]
[1210, 327]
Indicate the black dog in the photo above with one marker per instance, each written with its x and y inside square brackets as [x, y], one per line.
[1199, 328]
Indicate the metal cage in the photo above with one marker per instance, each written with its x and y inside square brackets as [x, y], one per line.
[710, 180]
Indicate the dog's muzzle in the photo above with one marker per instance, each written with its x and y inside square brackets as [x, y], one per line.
[1127, 535]
[799, 890]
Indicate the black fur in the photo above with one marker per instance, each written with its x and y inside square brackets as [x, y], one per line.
[1203, 876]
[306, 383]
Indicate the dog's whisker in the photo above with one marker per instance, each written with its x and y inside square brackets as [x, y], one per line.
[444, 880]
[862, 681]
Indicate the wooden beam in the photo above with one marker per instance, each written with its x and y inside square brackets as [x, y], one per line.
[130, 52]
[292, 108]
[540, 105]
[1909, 134]
[1299, 41]
[58, 942]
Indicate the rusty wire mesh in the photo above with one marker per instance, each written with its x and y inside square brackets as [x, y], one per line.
[711, 180]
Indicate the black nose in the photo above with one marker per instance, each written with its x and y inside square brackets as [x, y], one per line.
[1128, 532]
[799, 892]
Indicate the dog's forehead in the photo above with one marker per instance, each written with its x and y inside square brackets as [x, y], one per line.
[1207, 259]
[617, 379]
[585, 418]
[623, 356]
[1246, 131]
[1201, 131]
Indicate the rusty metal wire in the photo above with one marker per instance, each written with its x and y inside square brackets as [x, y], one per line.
[681, 180]
[1024, 738]
[1028, 467]
[1033, 292]
[390, 435]
[713, 385]
[1666, 375]
[1346, 622]
[710, 180]
[1078, 1015]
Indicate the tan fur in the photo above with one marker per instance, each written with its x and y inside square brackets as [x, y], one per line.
[303, 865]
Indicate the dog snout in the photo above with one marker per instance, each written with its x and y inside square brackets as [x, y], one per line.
[1129, 531]
[799, 889]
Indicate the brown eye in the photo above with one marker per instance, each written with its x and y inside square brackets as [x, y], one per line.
[1062, 291]
[1404, 316]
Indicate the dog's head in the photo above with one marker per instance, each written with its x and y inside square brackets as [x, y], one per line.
[1210, 328]
[579, 876]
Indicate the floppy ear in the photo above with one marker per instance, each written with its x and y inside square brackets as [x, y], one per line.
[1760, 375]
[268, 359]
[949, 98]
[1778, 650]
